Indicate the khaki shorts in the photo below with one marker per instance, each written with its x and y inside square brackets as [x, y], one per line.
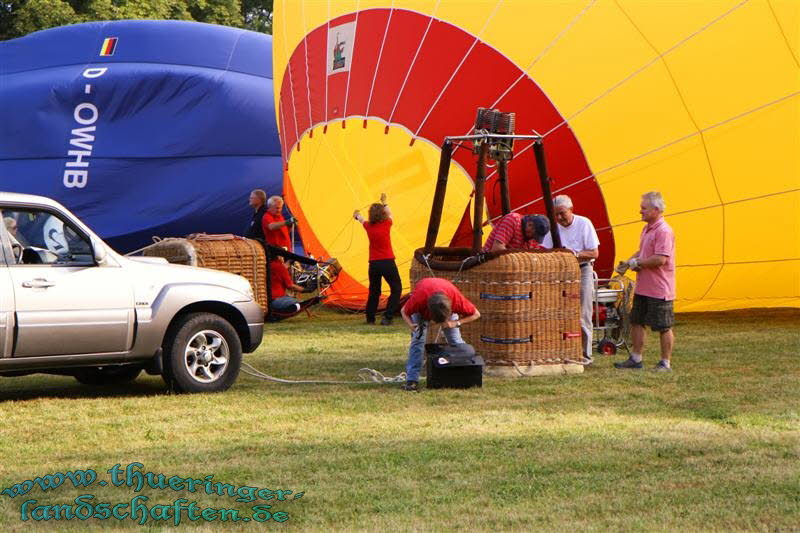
[653, 312]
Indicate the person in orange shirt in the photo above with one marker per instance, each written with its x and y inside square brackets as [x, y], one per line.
[434, 300]
[280, 281]
[381, 261]
[275, 227]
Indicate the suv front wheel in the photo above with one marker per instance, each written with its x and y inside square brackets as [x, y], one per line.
[202, 353]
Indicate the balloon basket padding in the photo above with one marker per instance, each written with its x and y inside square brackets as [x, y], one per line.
[529, 302]
[531, 371]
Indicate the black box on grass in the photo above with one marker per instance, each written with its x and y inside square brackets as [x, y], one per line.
[453, 366]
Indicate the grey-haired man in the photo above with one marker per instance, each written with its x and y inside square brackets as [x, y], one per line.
[578, 234]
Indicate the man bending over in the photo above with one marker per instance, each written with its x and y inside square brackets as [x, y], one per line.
[438, 301]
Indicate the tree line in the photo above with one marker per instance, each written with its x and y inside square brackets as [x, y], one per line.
[21, 17]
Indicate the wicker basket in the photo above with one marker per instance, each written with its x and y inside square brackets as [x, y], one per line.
[228, 253]
[529, 303]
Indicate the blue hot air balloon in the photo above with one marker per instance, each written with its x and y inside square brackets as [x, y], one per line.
[142, 128]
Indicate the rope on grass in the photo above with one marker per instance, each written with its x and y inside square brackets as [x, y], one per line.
[585, 362]
[367, 376]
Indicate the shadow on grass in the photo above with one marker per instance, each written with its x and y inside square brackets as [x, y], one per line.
[44, 386]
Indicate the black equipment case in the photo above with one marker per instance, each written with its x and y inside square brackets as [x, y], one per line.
[453, 366]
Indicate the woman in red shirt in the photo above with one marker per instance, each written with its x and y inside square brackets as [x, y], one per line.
[381, 261]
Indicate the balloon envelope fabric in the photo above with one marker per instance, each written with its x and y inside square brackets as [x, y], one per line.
[698, 100]
[141, 127]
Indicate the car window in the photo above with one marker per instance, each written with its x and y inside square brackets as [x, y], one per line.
[42, 237]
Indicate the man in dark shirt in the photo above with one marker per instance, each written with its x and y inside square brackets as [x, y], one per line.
[258, 201]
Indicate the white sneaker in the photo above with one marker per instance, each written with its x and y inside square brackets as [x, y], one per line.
[662, 367]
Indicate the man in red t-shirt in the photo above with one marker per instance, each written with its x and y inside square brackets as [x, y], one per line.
[279, 282]
[381, 261]
[276, 229]
[515, 231]
[438, 301]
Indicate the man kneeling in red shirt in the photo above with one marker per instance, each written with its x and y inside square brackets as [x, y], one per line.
[439, 301]
[280, 281]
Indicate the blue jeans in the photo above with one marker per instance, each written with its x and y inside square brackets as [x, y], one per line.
[284, 304]
[416, 350]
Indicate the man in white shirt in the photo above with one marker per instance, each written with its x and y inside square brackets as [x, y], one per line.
[578, 234]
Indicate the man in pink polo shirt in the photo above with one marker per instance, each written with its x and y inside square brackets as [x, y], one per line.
[655, 283]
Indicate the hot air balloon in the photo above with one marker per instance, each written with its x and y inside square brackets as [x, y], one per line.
[141, 127]
[698, 100]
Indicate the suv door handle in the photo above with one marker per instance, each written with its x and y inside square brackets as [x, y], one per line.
[37, 283]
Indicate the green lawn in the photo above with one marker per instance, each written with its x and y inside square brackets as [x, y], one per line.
[715, 445]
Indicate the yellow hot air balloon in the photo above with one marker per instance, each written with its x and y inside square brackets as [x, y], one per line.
[699, 100]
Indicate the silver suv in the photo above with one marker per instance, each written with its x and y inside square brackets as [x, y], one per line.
[71, 305]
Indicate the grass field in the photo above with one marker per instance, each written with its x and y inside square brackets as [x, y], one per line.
[712, 446]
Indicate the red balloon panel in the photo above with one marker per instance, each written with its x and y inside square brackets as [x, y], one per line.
[448, 79]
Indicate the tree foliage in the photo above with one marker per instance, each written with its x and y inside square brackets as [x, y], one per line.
[20, 17]
[257, 15]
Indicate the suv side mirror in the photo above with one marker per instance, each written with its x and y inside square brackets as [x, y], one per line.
[99, 251]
